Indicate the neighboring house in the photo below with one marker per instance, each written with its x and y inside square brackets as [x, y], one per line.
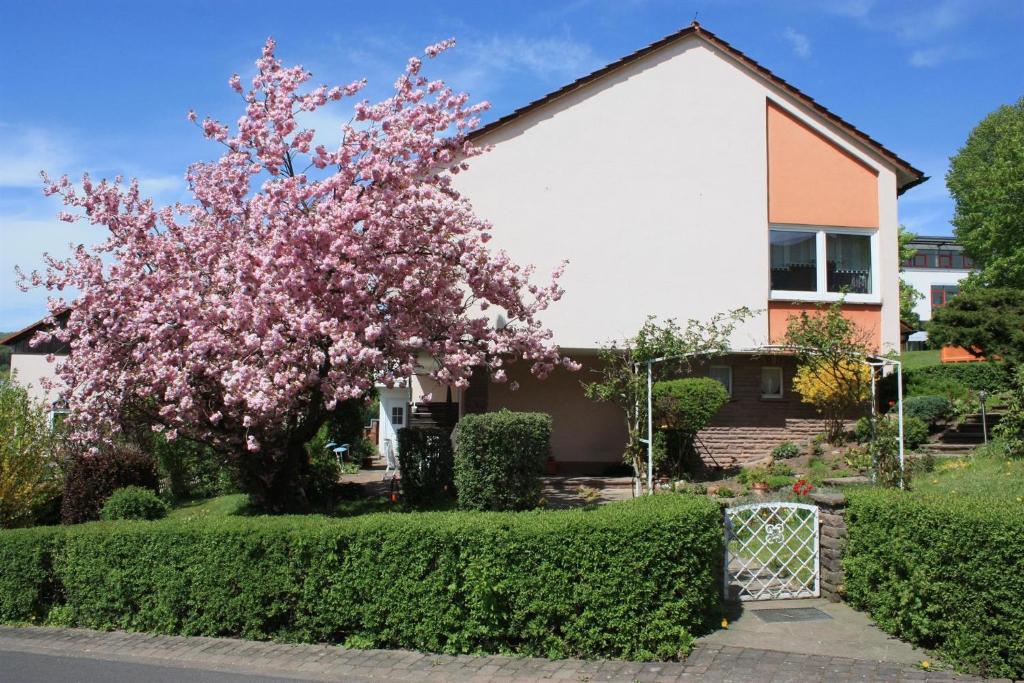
[936, 271]
[683, 180]
[29, 364]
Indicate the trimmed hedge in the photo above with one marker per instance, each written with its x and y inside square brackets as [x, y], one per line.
[427, 463]
[635, 580]
[499, 459]
[949, 379]
[945, 573]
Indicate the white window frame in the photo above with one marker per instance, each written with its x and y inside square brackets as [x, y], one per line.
[821, 258]
[391, 416]
[51, 416]
[727, 368]
[782, 377]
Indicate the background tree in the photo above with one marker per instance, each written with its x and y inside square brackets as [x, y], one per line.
[831, 374]
[300, 275]
[909, 295]
[987, 321]
[621, 372]
[986, 180]
[30, 474]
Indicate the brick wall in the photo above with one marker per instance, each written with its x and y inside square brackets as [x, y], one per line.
[747, 428]
[832, 537]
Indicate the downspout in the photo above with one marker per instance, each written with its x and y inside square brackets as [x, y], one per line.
[650, 435]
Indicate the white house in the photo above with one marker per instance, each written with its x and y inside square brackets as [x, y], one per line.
[935, 270]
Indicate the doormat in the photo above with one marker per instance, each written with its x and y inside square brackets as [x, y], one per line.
[791, 614]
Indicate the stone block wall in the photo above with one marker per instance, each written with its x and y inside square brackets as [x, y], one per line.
[832, 537]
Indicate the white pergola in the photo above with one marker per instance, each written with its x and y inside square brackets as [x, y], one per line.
[874, 361]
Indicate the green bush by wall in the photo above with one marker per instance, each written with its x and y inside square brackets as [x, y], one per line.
[951, 380]
[499, 459]
[635, 580]
[945, 573]
[133, 502]
[427, 463]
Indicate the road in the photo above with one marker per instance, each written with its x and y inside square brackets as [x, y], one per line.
[23, 667]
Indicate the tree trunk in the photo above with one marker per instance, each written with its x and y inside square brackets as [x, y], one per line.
[276, 479]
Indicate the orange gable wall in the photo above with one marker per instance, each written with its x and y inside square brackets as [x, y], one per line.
[868, 317]
[813, 182]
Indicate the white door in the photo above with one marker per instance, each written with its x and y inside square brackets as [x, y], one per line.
[394, 413]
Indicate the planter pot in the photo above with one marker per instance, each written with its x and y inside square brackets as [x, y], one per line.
[550, 467]
[759, 488]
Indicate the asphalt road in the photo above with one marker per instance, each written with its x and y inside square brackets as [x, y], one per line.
[23, 667]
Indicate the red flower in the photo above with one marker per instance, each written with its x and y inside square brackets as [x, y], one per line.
[802, 487]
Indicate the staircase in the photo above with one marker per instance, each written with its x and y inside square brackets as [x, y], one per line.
[963, 438]
[436, 415]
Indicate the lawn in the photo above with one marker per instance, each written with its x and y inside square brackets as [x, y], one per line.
[977, 477]
[919, 359]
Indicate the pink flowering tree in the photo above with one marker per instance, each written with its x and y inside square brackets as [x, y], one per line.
[298, 277]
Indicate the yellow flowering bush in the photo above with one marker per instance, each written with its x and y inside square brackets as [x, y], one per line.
[834, 388]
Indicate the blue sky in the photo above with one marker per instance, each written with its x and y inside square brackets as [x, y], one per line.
[104, 86]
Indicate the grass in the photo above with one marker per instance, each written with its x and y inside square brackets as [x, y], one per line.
[981, 476]
[221, 506]
[919, 359]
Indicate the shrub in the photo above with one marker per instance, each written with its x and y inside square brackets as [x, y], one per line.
[950, 380]
[30, 474]
[930, 409]
[945, 573]
[92, 478]
[915, 432]
[834, 389]
[189, 469]
[427, 464]
[633, 580]
[1010, 430]
[785, 450]
[864, 430]
[885, 454]
[133, 502]
[683, 407]
[499, 459]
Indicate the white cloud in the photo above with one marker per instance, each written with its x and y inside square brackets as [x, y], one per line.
[26, 150]
[800, 43]
[543, 57]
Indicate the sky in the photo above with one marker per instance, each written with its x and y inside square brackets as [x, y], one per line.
[104, 87]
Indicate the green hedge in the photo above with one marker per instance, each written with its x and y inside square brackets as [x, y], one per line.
[949, 379]
[635, 580]
[945, 573]
[427, 462]
[499, 459]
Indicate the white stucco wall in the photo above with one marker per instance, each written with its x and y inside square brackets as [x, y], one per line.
[652, 182]
[27, 369]
[923, 278]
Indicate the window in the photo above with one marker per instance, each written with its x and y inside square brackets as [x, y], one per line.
[849, 263]
[57, 416]
[941, 295]
[794, 260]
[822, 264]
[397, 416]
[723, 374]
[771, 382]
[945, 259]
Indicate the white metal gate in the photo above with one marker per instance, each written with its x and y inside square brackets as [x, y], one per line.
[771, 551]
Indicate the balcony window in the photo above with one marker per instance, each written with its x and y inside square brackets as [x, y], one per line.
[849, 263]
[824, 263]
[794, 260]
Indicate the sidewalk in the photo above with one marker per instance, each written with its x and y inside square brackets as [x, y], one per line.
[709, 662]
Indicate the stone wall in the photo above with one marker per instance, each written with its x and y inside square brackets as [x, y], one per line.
[831, 539]
[747, 428]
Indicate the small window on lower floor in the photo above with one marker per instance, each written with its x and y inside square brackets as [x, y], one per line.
[771, 382]
[397, 416]
[722, 373]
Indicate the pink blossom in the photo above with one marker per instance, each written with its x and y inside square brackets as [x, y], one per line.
[295, 278]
